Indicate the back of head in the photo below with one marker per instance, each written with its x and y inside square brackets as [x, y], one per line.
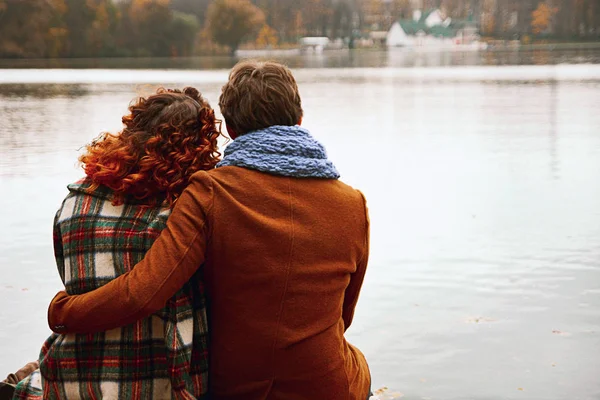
[259, 95]
[166, 138]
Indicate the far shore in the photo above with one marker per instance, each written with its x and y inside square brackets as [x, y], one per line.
[210, 62]
[547, 46]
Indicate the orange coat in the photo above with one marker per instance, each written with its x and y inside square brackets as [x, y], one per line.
[284, 260]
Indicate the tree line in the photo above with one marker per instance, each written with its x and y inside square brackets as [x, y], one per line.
[559, 19]
[94, 28]
[167, 28]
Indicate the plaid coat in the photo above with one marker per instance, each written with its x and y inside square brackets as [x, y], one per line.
[162, 357]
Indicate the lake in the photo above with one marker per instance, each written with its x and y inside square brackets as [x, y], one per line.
[482, 173]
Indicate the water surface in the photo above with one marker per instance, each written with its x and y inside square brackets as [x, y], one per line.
[484, 190]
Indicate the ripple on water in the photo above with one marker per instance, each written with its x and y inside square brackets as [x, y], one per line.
[483, 197]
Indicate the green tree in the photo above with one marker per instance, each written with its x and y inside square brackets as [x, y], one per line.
[145, 28]
[183, 30]
[25, 28]
[101, 37]
[78, 18]
[194, 7]
[230, 22]
[316, 15]
[152, 21]
[282, 15]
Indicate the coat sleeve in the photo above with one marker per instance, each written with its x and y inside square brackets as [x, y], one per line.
[168, 265]
[357, 278]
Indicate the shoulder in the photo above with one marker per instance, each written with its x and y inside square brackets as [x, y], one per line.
[86, 201]
[357, 198]
[86, 186]
[201, 184]
[83, 194]
[204, 183]
[228, 173]
[352, 193]
[198, 195]
[77, 201]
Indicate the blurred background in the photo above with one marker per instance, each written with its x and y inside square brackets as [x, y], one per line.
[175, 28]
[472, 126]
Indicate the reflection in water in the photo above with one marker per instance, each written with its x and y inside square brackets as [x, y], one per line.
[42, 90]
[554, 161]
[48, 123]
[483, 193]
[335, 59]
[541, 57]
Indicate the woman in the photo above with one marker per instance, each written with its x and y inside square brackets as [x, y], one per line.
[285, 246]
[104, 227]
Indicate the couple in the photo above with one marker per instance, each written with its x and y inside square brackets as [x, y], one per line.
[188, 281]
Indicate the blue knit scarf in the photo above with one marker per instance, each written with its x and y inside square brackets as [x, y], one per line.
[280, 150]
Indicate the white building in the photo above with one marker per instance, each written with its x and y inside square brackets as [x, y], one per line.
[433, 30]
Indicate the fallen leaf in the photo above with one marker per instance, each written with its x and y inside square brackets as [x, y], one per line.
[385, 393]
[381, 390]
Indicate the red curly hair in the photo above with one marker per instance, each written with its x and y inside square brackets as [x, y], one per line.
[166, 139]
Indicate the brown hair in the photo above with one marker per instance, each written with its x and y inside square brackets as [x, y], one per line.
[167, 137]
[259, 95]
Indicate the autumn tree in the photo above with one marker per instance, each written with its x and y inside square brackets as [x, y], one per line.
[25, 27]
[380, 15]
[101, 35]
[57, 42]
[194, 7]
[151, 19]
[144, 28]
[230, 22]
[78, 18]
[400, 9]
[373, 11]
[316, 16]
[343, 21]
[267, 37]
[100, 28]
[542, 17]
[94, 28]
[488, 17]
[283, 15]
[586, 18]
[456, 8]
